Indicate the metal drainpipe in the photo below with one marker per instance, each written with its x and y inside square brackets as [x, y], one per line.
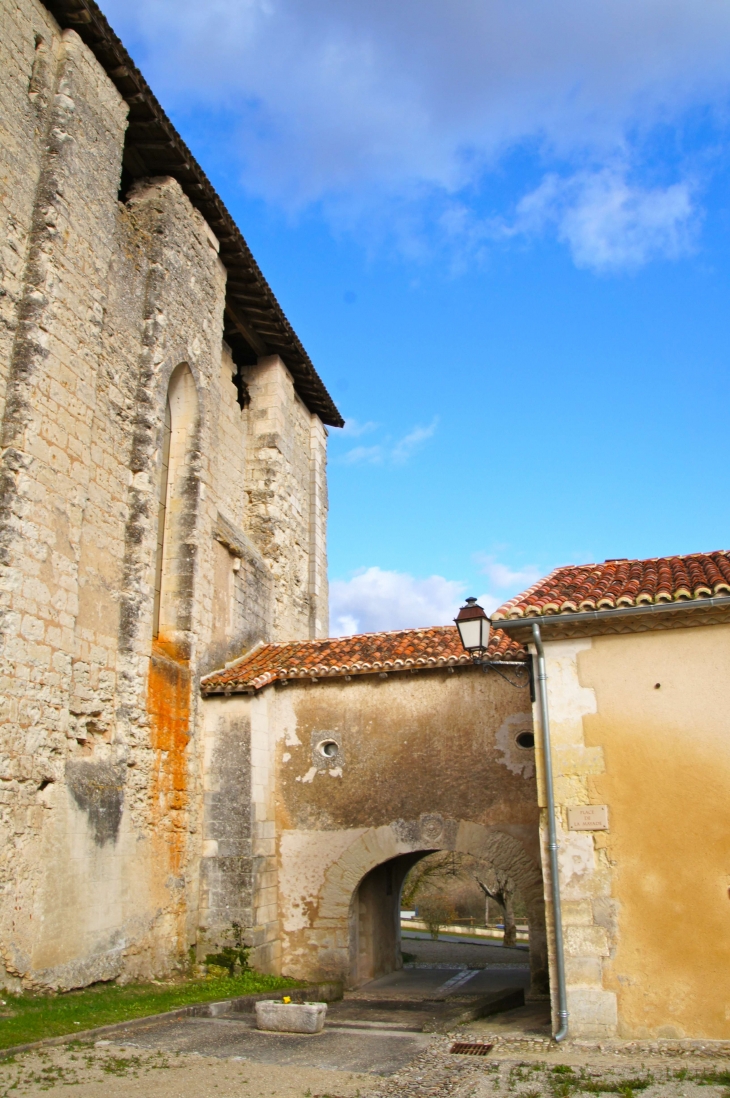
[562, 1032]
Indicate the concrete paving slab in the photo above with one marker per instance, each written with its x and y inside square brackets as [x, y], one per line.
[411, 983]
[432, 1016]
[377, 1030]
[389, 1014]
[368, 1050]
[486, 980]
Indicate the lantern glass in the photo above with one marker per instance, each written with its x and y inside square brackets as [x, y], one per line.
[473, 625]
[471, 633]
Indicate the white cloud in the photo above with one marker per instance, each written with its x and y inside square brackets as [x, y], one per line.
[375, 91]
[501, 576]
[411, 442]
[354, 429]
[392, 114]
[364, 455]
[607, 222]
[375, 599]
[398, 453]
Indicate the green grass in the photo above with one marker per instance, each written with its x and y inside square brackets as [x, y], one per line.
[26, 1018]
[710, 1078]
[626, 1087]
[565, 1083]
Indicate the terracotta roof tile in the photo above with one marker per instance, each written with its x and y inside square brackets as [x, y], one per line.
[367, 653]
[576, 589]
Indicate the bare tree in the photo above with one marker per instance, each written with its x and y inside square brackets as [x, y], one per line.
[446, 872]
[435, 872]
[502, 891]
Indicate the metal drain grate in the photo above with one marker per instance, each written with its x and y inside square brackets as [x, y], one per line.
[471, 1048]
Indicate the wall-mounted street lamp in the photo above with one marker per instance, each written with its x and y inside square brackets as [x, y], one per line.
[473, 625]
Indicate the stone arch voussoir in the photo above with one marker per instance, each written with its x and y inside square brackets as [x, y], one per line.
[429, 833]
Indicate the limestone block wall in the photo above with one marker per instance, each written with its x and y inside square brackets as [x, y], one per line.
[424, 761]
[287, 500]
[588, 907]
[318, 585]
[29, 54]
[101, 799]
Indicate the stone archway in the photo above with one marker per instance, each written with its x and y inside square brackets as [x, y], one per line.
[332, 933]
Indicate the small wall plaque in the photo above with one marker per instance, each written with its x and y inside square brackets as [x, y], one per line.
[588, 817]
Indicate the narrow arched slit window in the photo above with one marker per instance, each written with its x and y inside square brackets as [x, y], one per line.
[164, 478]
[177, 500]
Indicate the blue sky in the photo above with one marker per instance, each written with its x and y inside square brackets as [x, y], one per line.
[501, 229]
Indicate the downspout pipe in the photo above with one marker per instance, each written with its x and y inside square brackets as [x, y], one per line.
[562, 1031]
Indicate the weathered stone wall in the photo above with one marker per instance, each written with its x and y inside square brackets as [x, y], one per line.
[421, 762]
[242, 866]
[285, 478]
[101, 799]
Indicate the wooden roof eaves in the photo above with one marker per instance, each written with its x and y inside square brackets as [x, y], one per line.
[175, 159]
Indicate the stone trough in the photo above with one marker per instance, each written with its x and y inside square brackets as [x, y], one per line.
[278, 1017]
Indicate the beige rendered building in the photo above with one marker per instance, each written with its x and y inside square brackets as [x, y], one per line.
[637, 656]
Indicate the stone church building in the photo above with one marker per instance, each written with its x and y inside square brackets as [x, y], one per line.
[163, 498]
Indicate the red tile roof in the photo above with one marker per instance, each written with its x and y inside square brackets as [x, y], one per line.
[365, 654]
[614, 584]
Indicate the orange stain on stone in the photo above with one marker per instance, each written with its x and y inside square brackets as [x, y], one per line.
[168, 705]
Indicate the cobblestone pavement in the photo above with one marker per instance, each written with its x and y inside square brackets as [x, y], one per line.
[510, 1071]
[524, 1062]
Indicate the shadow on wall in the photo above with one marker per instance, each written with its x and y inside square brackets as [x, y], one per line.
[375, 937]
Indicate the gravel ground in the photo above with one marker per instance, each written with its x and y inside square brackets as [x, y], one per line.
[516, 1068]
[120, 1072]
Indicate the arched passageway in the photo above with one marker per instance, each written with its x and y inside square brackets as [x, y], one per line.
[353, 930]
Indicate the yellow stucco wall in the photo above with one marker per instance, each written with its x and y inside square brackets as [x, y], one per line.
[665, 776]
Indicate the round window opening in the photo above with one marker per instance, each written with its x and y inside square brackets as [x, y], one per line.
[328, 748]
[526, 740]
